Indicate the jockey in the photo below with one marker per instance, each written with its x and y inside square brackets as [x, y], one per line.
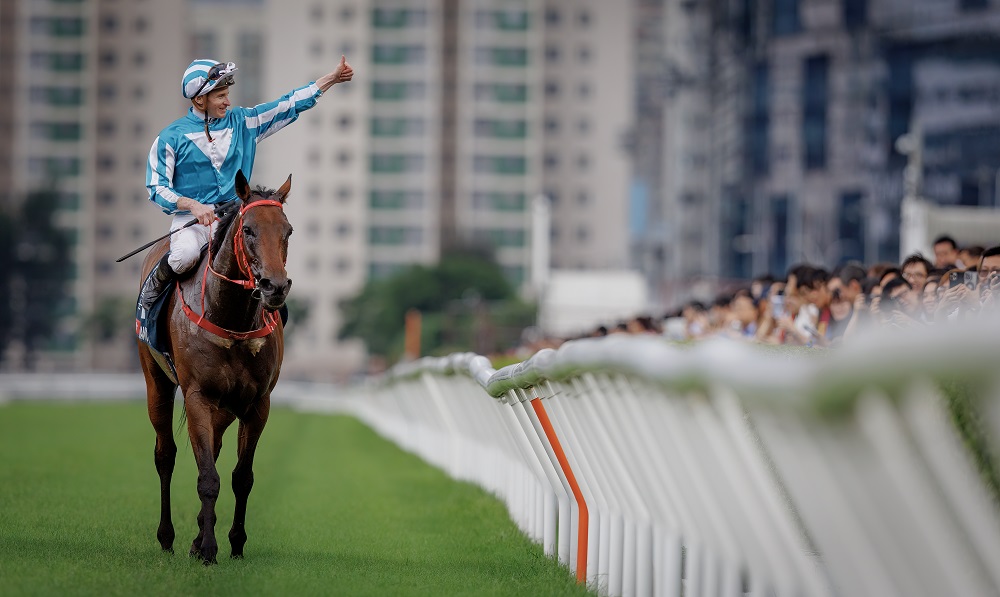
[192, 164]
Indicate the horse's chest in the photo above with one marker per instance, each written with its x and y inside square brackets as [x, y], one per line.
[253, 345]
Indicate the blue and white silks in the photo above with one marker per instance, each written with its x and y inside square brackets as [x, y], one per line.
[182, 161]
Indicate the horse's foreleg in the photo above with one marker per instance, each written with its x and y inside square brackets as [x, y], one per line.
[250, 431]
[160, 404]
[202, 430]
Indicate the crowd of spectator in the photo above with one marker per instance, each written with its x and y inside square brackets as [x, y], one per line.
[813, 306]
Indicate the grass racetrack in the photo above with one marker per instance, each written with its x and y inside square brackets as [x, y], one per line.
[335, 510]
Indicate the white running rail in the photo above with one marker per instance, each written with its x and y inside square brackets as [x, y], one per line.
[725, 469]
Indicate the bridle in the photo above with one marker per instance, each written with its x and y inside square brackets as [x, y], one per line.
[239, 251]
[251, 282]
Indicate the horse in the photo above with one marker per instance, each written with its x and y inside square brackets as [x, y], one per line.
[227, 357]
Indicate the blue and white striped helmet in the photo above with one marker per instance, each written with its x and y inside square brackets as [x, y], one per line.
[203, 75]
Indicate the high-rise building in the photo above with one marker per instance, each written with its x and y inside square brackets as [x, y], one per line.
[80, 86]
[781, 121]
[460, 115]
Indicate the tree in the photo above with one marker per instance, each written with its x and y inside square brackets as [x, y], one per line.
[460, 299]
[34, 280]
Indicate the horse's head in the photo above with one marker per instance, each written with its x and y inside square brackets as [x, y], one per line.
[263, 235]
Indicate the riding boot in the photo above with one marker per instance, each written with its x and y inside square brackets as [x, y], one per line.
[155, 284]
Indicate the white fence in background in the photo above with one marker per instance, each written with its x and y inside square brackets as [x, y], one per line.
[725, 469]
[719, 469]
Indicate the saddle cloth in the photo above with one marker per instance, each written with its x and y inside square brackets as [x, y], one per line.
[151, 328]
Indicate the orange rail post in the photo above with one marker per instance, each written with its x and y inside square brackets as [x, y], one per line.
[550, 433]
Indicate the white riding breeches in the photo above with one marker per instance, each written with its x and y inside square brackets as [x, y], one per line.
[185, 245]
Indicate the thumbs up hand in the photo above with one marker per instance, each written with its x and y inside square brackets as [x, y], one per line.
[343, 72]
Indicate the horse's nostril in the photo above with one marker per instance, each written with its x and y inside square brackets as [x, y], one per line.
[265, 284]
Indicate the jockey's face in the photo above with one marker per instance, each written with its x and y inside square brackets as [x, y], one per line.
[217, 102]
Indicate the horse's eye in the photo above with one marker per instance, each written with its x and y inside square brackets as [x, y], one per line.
[248, 231]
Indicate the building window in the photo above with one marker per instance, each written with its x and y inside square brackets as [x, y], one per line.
[582, 234]
[583, 126]
[57, 131]
[397, 127]
[398, 90]
[344, 157]
[855, 14]
[973, 4]
[106, 128]
[501, 129]
[316, 13]
[497, 201]
[397, 18]
[584, 90]
[396, 163]
[502, 56]
[850, 225]
[109, 24]
[57, 96]
[786, 18]
[584, 54]
[502, 237]
[552, 17]
[551, 161]
[780, 221]
[344, 122]
[396, 199]
[395, 235]
[502, 164]
[584, 19]
[344, 194]
[552, 54]
[502, 92]
[385, 54]
[551, 125]
[551, 89]
[504, 20]
[109, 58]
[814, 102]
[583, 198]
[141, 25]
[760, 120]
[583, 162]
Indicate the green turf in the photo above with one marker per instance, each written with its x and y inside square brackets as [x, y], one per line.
[335, 510]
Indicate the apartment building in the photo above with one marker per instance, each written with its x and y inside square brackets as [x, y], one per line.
[460, 115]
[780, 122]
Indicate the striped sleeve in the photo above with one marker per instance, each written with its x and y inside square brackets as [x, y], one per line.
[160, 176]
[267, 119]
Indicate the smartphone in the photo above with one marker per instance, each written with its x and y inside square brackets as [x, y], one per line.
[955, 278]
[970, 279]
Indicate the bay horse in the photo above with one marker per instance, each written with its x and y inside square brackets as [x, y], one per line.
[227, 356]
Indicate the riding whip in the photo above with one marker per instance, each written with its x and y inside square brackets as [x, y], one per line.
[220, 212]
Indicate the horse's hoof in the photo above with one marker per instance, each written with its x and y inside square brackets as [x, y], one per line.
[169, 550]
[235, 556]
[210, 562]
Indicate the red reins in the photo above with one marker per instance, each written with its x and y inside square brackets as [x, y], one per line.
[271, 318]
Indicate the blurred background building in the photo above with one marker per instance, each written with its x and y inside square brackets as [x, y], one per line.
[698, 142]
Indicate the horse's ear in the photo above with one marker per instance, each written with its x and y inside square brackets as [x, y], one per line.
[284, 189]
[242, 186]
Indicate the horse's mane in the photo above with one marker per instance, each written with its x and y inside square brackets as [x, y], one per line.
[259, 193]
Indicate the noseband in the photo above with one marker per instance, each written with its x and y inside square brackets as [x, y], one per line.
[271, 318]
